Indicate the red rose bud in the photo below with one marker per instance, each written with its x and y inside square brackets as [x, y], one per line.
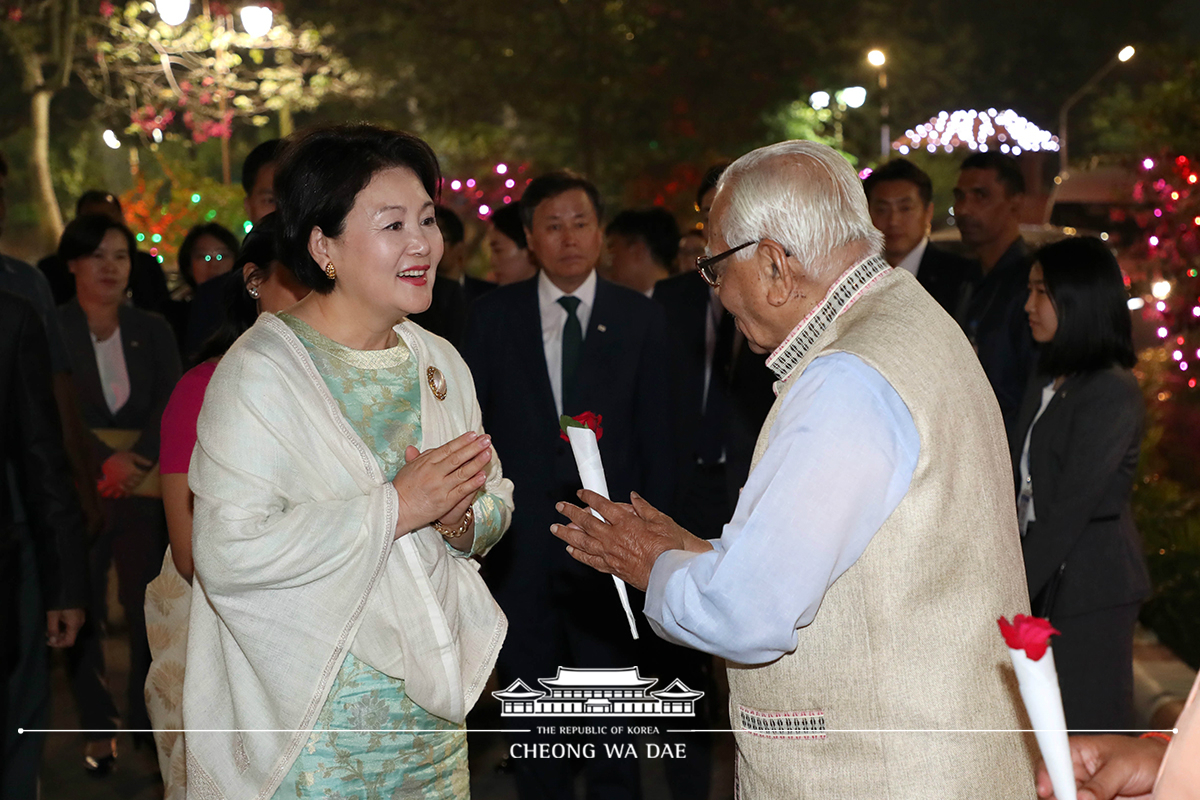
[585, 420]
[1031, 634]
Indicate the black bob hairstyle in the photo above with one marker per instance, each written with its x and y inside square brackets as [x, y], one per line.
[320, 174]
[507, 220]
[259, 250]
[213, 229]
[1085, 284]
[84, 234]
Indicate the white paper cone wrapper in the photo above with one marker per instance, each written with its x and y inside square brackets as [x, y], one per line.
[1043, 701]
[591, 472]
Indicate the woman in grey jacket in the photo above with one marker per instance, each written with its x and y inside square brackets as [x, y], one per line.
[1080, 433]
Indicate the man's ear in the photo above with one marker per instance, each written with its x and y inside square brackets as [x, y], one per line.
[319, 247]
[776, 275]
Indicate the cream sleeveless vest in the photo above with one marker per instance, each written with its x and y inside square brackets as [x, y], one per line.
[906, 639]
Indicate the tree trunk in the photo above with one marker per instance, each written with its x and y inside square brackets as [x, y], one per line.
[50, 220]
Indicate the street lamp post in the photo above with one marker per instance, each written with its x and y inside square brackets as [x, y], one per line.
[1124, 55]
[877, 59]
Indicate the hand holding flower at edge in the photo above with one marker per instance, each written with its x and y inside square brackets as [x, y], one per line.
[123, 471]
[440, 484]
[1110, 767]
[629, 539]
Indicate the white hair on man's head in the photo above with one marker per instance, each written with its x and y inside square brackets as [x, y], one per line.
[805, 196]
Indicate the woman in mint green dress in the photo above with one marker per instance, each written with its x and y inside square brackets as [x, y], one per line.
[343, 486]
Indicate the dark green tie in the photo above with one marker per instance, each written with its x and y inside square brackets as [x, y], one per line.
[572, 346]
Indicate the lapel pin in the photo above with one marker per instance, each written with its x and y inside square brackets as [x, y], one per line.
[602, 328]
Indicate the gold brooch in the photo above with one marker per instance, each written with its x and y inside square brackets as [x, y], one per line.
[437, 382]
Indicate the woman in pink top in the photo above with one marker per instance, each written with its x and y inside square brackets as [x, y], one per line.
[266, 286]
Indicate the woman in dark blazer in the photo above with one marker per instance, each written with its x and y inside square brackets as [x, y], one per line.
[1080, 433]
[125, 365]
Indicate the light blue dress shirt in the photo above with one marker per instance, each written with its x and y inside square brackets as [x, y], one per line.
[840, 458]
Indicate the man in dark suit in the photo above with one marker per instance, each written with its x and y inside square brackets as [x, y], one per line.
[32, 443]
[988, 200]
[566, 342]
[454, 259]
[900, 198]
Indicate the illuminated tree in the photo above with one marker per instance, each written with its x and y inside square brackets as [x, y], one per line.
[195, 79]
[42, 36]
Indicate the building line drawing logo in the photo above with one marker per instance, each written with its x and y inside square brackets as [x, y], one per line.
[598, 693]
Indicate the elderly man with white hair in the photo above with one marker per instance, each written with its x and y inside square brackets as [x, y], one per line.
[855, 592]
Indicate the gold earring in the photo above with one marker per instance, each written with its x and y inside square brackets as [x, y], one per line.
[331, 271]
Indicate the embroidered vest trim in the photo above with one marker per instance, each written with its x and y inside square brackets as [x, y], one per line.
[844, 293]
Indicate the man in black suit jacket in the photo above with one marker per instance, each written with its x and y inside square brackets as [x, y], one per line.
[900, 197]
[32, 442]
[722, 394]
[566, 342]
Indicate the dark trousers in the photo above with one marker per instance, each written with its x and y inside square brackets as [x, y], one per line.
[579, 626]
[28, 688]
[135, 538]
[1094, 659]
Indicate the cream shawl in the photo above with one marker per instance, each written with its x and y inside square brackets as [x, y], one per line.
[296, 564]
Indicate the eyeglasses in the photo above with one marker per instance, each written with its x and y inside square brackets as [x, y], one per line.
[707, 265]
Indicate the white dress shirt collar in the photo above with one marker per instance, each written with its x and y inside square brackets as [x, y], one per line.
[548, 295]
[553, 317]
[912, 261]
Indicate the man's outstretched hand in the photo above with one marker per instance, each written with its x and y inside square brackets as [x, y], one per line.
[627, 541]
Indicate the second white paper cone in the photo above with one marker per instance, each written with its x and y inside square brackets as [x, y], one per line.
[591, 471]
[1043, 700]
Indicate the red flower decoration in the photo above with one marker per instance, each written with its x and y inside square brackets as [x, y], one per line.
[1031, 634]
[588, 420]
[106, 9]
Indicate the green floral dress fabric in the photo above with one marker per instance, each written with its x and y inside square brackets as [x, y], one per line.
[370, 741]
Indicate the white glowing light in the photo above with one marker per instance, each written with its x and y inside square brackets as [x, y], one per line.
[853, 96]
[1177, 355]
[470, 183]
[510, 183]
[1160, 305]
[1126, 53]
[1104, 237]
[876, 58]
[456, 184]
[1161, 289]
[484, 210]
[819, 100]
[501, 169]
[156, 135]
[111, 140]
[1148, 163]
[1196, 313]
[1135, 303]
[1183, 366]
[1006, 130]
[1154, 241]
[172, 12]
[1162, 333]
[257, 20]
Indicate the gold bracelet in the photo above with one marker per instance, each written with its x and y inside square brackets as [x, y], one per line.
[463, 527]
